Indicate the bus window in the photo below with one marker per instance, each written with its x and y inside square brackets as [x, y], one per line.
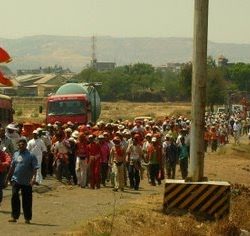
[6, 114]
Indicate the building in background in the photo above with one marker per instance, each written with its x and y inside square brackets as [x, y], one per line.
[103, 66]
[222, 61]
[172, 66]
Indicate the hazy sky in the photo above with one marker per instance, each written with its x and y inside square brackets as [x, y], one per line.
[228, 19]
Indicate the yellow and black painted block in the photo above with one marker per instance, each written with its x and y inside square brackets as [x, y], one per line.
[210, 199]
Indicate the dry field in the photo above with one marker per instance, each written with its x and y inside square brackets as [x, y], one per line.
[27, 110]
[128, 110]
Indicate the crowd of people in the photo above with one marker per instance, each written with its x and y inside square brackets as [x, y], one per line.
[119, 153]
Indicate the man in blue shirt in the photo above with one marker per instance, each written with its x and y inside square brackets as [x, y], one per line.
[183, 158]
[22, 174]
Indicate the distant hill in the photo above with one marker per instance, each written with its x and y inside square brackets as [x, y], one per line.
[75, 52]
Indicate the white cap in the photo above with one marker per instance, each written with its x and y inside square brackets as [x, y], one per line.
[168, 136]
[120, 127]
[154, 139]
[71, 139]
[11, 126]
[75, 134]
[68, 130]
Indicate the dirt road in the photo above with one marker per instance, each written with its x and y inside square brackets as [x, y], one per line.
[57, 207]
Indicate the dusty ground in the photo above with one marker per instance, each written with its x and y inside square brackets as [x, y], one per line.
[65, 207]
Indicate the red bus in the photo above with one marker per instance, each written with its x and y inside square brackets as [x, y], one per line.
[6, 110]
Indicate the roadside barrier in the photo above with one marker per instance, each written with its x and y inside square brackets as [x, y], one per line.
[209, 199]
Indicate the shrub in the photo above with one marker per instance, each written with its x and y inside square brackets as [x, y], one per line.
[34, 114]
[19, 112]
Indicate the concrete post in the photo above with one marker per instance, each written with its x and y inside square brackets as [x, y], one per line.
[199, 77]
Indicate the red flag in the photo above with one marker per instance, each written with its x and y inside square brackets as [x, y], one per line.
[4, 80]
[4, 56]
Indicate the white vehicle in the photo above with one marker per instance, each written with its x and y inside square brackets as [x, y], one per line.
[237, 108]
[221, 110]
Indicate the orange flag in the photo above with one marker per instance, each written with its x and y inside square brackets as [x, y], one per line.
[4, 80]
[4, 56]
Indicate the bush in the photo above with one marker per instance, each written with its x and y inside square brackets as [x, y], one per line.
[19, 112]
[34, 114]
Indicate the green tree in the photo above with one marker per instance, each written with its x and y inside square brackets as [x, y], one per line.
[239, 74]
[186, 81]
[211, 62]
[216, 87]
[139, 82]
[141, 69]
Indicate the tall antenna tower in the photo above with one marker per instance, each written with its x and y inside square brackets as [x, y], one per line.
[93, 58]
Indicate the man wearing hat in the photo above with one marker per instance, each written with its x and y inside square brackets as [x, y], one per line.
[61, 150]
[6, 142]
[22, 174]
[154, 156]
[105, 150]
[171, 156]
[82, 158]
[37, 147]
[134, 157]
[12, 134]
[94, 151]
[117, 160]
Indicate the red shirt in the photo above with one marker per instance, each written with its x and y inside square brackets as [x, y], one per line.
[82, 149]
[94, 149]
[4, 160]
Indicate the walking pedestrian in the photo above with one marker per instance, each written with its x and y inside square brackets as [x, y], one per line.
[134, 157]
[105, 151]
[171, 156]
[183, 157]
[37, 147]
[94, 151]
[82, 159]
[22, 173]
[61, 149]
[117, 160]
[4, 164]
[154, 156]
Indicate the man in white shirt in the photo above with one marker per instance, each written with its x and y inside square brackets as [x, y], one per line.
[237, 131]
[37, 147]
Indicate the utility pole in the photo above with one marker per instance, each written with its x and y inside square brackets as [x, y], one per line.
[93, 56]
[199, 77]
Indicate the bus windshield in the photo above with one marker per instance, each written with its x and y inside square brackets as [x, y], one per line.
[70, 107]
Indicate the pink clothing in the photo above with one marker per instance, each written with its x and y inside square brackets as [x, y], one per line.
[94, 150]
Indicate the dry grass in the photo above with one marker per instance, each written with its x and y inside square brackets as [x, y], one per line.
[145, 217]
[110, 110]
[127, 110]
